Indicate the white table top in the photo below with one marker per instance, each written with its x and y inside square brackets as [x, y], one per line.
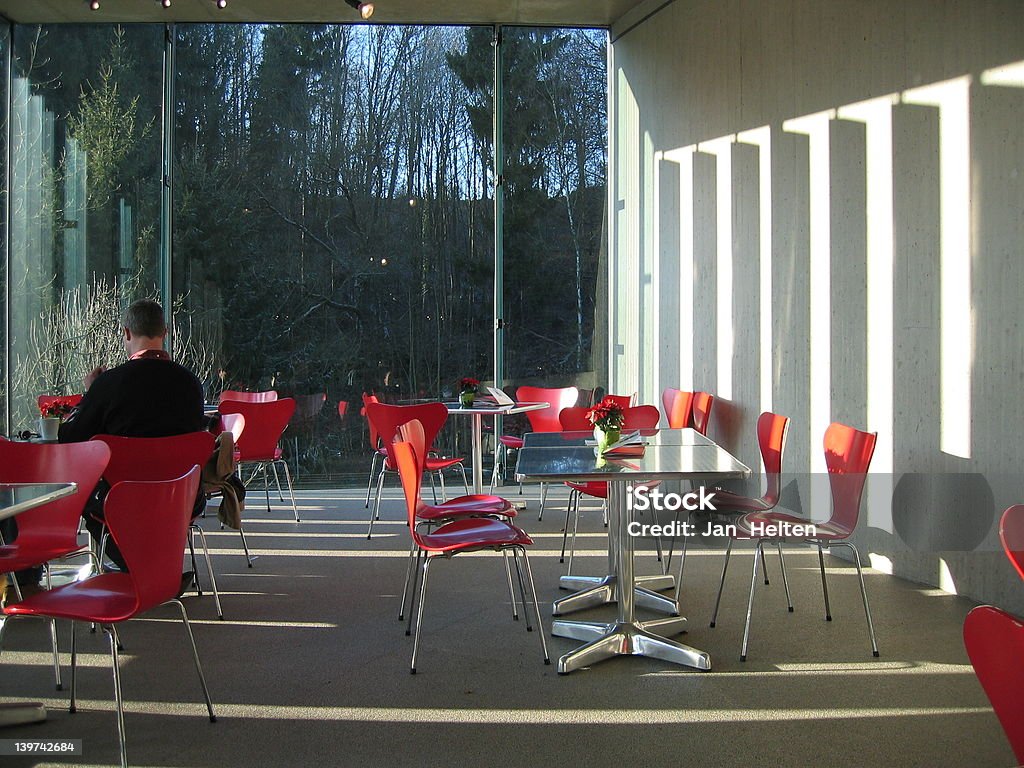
[490, 408]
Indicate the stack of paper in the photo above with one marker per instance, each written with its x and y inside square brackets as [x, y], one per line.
[631, 444]
[500, 397]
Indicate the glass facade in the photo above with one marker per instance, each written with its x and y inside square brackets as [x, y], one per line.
[332, 219]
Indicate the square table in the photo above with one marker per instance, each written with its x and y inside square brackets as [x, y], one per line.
[16, 498]
[478, 410]
[668, 455]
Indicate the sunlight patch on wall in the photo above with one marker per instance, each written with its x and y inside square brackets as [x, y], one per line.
[946, 582]
[956, 337]
[762, 139]
[816, 128]
[684, 158]
[1011, 75]
[721, 148]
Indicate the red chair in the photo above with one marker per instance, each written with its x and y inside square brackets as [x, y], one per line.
[49, 532]
[771, 439]
[379, 453]
[265, 423]
[154, 459]
[995, 645]
[678, 407]
[623, 401]
[701, 411]
[575, 419]
[431, 515]
[473, 534]
[1011, 534]
[267, 396]
[637, 417]
[385, 419]
[152, 545]
[848, 453]
[544, 420]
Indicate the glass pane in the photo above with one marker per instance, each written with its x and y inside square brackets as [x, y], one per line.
[85, 199]
[333, 218]
[555, 133]
[5, 42]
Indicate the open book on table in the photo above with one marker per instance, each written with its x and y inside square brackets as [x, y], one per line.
[500, 398]
[631, 444]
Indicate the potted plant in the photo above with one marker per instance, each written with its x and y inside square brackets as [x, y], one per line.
[467, 391]
[607, 418]
[51, 414]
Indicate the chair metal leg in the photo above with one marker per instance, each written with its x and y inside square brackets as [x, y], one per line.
[419, 615]
[522, 586]
[824, 584]
[565, 529]
[536, 607]
[863, 594]
[444, 491]
[758, 556]
[369, 480]
[511, 589]
[408, 577]
[465, 480]
[245, 546]
[209, 569]
[277, 480]
[420, 555]
[785, 578]
[53, 635]
[375, 514]
[115, 663]
[74, 668]
[543, 499]
[266, 485]
[195, 658]
[291, 490]
[575, 527]
[682, 564]
[721, 585]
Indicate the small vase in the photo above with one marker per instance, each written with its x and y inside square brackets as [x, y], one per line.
[606, 437]
[466, 399]
[48, 427]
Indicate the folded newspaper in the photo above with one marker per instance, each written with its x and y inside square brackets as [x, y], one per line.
[500, 397]
[631, 444]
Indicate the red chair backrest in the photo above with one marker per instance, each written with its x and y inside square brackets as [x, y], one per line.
[387, 418]
[641, 417]
[264, 425]
[574, 419]
[848, 454]
[342, 409]
[407, 452]
[771, 439]
[1011, 534]
[152, 543]
[233, 423]
[55, 524]
[546, 420]
[267, 396]
[155, 458]
[995, 646]
[701, 411]
[678, 407]
[72, 400]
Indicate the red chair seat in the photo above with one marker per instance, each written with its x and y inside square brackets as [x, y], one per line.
[473, 534]
[106, 598]
[465, 506]
[12, 558]
[511, 441]
[597, 488]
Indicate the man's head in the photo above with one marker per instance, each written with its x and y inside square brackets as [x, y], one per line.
[144, 326]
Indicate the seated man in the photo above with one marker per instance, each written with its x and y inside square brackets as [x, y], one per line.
[147, 396]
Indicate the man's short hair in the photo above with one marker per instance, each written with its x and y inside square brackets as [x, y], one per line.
[145, 317]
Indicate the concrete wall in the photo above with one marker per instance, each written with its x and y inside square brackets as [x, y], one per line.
[817, 207]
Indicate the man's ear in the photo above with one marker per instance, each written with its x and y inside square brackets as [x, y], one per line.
[127, 334]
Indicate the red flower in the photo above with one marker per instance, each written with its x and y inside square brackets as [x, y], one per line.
[58, 407]
[468, 384]
[607, 415]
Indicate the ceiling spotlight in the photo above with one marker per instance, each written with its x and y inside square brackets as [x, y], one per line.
[222, 4]
[165, 3]
[365, 9]
[94, 5]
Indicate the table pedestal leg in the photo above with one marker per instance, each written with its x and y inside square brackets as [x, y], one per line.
[478, 453]
[626, 636]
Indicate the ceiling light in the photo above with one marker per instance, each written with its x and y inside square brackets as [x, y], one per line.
[365, 9]
[221, 3]
[165, 3]
[94, 5]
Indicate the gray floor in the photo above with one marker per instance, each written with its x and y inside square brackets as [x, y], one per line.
[310, 666]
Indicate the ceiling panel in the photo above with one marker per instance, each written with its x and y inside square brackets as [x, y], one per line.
[597, 13]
